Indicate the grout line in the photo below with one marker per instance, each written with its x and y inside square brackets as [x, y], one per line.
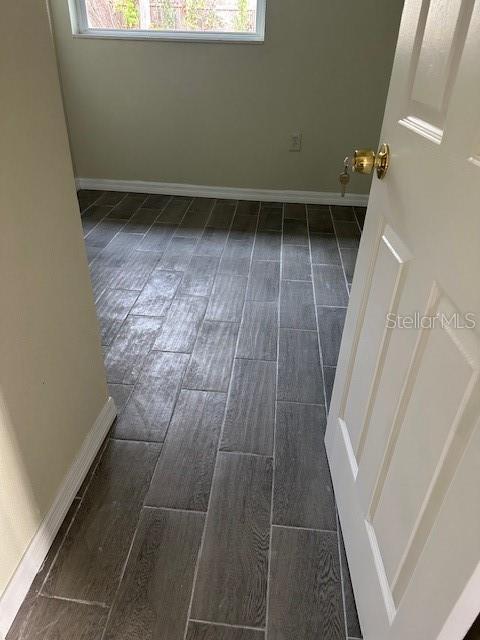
[117, 439]
[80, 499]
[299, 330]
[358, 221]
[160, 508]
[339, 251]
[184, 353]
[215, 466]
[316, 310]
[296, 279]
[253, 359]
[330, 306]
[245, 453]
[92, 603]
[329, 264]
[226, 624]
[272, 495]
[311, 404]
[121, 576]
[291, 526]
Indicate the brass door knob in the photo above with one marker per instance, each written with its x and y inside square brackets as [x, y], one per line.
[366, 160]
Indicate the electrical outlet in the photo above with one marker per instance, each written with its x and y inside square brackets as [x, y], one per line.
[295, 141]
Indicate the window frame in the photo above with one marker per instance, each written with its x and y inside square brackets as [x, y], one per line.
[80, 29]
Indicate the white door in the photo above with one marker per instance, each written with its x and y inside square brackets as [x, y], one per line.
[403, 434]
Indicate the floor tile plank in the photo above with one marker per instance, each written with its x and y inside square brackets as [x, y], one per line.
[199, 276]
[324, 249]
[92, 217]
[231, 583]
[319, 218]
[270, 218]
[52, 619]
[154, 596]
[329, 377]
[236, 258]
[133, 274]
[157, 201]
[295, 232]
[243, 225]
[267, 245]
[150, 407]
[297, 308]
[156, 297]
[249, 420]
[349, 258]
[303, 495]
[90, 561]
[111, 197]
[346, 214]
[299, 371]
[212, 358]
[330, 329]
[259, 331]
[195, 219]
[264, 281]
[113, 307]
[348, 233]
[227, 298]
[296, 263]
[142, 220]
[330, 287]
[184, 472]
[124, 358]
[305, 587]
[127, 206]
[249, 207]
[100, 234]
[203, 631]
[181, 324]
[157, 237]
[360, 213]
[120, 394]
[178, 254]
[351, 615]
[222, 215]
[211, 242]
[295, 211]
[175, 210]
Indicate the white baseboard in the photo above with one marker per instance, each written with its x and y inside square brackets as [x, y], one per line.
[37, 550]
[234, 193]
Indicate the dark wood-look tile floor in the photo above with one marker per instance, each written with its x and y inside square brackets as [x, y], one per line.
[209, 512]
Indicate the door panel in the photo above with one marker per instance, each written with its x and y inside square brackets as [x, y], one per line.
[439, 37]
[403, 433]
[368, 356]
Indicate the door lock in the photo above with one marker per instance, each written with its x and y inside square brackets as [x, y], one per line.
[365, 161]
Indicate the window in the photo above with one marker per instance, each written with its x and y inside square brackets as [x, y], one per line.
[214, 20]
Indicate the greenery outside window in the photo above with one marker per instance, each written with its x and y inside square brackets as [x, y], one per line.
[211, 20]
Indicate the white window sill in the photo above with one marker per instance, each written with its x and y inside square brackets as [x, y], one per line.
[175, 36]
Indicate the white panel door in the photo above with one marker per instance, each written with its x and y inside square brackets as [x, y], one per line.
[403, 434]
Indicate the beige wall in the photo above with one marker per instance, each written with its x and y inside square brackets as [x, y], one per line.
[52, 384]
[221, 114]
